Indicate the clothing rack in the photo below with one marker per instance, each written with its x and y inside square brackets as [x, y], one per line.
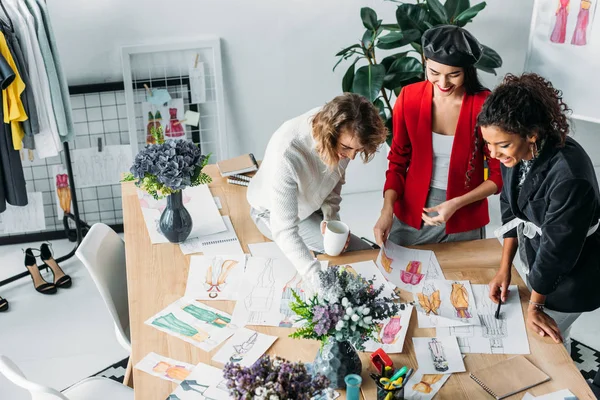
[74, 236]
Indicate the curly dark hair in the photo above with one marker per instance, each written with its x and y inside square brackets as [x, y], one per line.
[527, 104]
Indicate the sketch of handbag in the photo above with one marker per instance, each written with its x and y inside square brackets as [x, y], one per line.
[412, 275]
[437, 354]
[216, 275]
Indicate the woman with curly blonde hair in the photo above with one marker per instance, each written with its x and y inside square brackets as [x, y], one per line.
[298, 185]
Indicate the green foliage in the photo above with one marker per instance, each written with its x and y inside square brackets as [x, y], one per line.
[380, 82]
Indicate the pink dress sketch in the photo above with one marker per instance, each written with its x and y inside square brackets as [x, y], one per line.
[412, 275]
[175, 128]
[389, 332]
[583, 20]
[559, 33]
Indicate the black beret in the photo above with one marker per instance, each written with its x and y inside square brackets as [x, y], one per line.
[451, 45]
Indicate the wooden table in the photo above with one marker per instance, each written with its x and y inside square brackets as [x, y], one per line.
[157, 275]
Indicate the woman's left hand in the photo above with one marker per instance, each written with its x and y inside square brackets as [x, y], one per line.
[543, 324]
[445, 211]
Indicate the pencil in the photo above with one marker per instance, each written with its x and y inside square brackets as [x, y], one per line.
[497, 315]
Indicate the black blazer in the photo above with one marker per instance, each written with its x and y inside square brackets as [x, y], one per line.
[560, 195]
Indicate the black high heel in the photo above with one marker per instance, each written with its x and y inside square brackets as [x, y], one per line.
[3, 304]
[46, 255]
[38, 282]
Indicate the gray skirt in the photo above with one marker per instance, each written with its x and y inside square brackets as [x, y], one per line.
[405, 235]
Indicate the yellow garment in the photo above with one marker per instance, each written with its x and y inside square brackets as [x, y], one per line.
[14, 112]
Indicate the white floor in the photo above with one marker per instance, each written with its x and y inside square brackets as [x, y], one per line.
[60, 339]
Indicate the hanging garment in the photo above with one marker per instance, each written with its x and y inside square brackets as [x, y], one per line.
[12, 106]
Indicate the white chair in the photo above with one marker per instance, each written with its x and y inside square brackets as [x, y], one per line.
[89, 389]
[102, 252]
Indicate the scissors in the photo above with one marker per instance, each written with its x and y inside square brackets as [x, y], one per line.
[390, 385]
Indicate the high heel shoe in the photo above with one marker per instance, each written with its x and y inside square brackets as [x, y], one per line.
[3, 304]
[38, 282]
[61, 279]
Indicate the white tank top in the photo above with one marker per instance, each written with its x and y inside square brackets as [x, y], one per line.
[442, 148]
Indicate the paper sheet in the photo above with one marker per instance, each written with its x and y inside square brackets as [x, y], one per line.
[391, 332]
[205, 382]
[438, 355]
[506, 335]
[564, 394]
[216, 277]
[54, 171]
[368, 270]
[244, 348]
[194, 322]
[30, 218]
[164, 367]
[442, 303]
[197, 78]
[225, 242]
[197, 200]
[424, 386]
[96, 168]
[266, 250]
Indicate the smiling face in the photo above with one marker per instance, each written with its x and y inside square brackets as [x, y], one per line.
[446, 80]
[506, 147]
[348, 145]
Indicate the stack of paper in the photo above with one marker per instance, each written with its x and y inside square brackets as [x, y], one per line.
[225, 242]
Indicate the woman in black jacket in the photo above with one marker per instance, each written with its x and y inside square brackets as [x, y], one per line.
[550, 203]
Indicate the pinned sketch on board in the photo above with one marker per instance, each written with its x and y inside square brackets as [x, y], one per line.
[29, 218]
[225, 242]
[194, 322]
[244, 348]
[505, 335]
[165, 121]
[62, 191]
[424, 386]
[438, 355]
[215, 277]
[164, 367]
[197, 75]
[204, 383]
[443, 303]
[390, 333]
[97, 168]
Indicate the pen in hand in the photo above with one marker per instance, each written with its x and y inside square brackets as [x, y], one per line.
[497, 315]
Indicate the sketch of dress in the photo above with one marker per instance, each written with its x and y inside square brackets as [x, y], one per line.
[240, 350]
[493, 329]
[208, 316]
[261, 297]
[426, 383]
[459, 297]
[386, 262]
[559, 33]
[216, 275]
[412, 275]
[176, 372]
[463, 333]
[388, 335]
[171, 323]
[440, 363]
[287, 314]
[583, 20]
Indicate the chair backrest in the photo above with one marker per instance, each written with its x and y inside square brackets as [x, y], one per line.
[102, 252]
[38, 392]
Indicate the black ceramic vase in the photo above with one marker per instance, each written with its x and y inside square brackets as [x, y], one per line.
[336, 360]
[175, 221]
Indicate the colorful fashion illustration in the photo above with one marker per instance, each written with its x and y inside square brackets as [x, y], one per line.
[208, 316]
[170, 322]
[412, 275]
[559, 33]
[437, 354]
[386, 262]
[154, 129]
[294, 284]
[64, 192]
[175, 372]
[583, 21]
[459, 297]
[389, 333]
[240, 350]
[427, 381]
[216, 276]
[430, 303]
[175, 128]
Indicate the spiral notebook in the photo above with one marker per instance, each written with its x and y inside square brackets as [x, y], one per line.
[509, 377]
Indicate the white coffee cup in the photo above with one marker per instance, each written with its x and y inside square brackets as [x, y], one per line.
[335, 237]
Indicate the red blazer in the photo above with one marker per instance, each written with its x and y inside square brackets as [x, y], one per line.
[411, 159]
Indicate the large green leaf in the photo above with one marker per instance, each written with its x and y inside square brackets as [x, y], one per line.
[381, 107]
[389, 60]
[489, 59]
[348, 78]
[368, 81]
[369, 18]
[394, 40]
[347, 49]
[455, 7]
[438, 11]
[466, 16]
[402, 70]
[411, 16]
[391, 27]
[367, 39]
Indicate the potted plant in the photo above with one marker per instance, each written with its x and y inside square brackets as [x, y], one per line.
[381, 81]
[342, 316]
[164, 170]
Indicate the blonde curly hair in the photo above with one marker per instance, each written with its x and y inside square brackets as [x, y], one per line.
[351, 112]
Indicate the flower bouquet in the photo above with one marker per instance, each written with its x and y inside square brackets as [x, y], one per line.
[343, 315]
[274, 379]
[165, 170]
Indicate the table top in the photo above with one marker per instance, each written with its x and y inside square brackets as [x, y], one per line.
[157, 276]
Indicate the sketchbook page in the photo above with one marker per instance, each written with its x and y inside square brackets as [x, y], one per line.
[404, 267]
[225, 242]
[97, 168]
[391, 332]
[424, 386]
[205, 382]
[266, 250]
[443, 303]
[164, 367]
[215, 277]
[29, 218]
[244, 347]
[438, 355]
[506, 335]
[194, 322]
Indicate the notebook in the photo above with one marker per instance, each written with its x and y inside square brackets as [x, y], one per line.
[238, 165]
[509, 377]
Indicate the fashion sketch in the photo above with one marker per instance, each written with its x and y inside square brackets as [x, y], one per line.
[207, 316]
[294, 284]
[261, 297]
[240, 350]
[216, 276]
[429, 299]
[440, 363]
[171, 323]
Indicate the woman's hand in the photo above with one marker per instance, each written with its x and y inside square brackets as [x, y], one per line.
[543, 324]
[445, 211]
[382, 228]
[499, 286]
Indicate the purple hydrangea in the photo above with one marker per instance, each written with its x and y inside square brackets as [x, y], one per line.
[326, 317]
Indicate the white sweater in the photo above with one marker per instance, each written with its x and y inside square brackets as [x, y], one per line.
[292, 183]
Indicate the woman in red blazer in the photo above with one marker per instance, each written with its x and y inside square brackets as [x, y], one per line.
[435, 182]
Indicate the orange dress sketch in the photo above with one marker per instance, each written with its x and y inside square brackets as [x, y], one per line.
[216, 276]
[559, 33]
[583, 20]
[175, 372]
[430, 303]
[459, 297]
[386, 262]
[427, 381]
[412, 275]
[64, 192]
